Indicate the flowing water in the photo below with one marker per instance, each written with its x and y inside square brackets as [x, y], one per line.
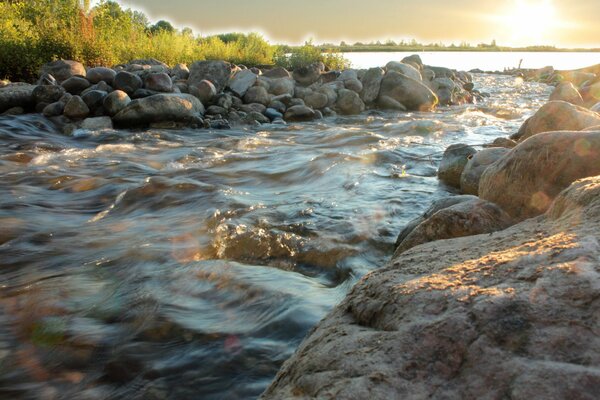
[190, 264]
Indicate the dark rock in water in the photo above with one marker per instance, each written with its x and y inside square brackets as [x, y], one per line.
[98, 74]
[371, 82]
[54, 109]
[307, 75]
[204, 90]
[217, 72]
[453, 163]
[159, 82]
[273, 114]
[469, 86]
[76, 108]
[409, 92]
[48, 93]
[97, 123]
[141, 93]
[127, 82]
[16, 95]
[300, 113]
[478, 162]
[14, 111]
[278, 106]
[216, 110]
[62, 70]
[349, 102]
[257, 94]
[219, 124]
[94, 99]
[557, 116]
[256, 117]
[116, 101]
[159, 108]
[466, 218]
[526, 180]
[76, 84]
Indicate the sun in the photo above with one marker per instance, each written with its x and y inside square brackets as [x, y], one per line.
[529, 22]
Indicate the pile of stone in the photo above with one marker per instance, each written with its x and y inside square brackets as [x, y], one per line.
[218, 94]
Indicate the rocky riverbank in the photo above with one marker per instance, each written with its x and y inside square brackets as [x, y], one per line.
[217, 94]
[485, 297]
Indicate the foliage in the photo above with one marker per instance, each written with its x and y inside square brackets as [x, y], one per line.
[301, 56]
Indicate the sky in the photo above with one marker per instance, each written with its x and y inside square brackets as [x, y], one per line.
[564, 23]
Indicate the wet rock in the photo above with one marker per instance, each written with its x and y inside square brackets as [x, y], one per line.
[101, 74]
[565, 91]
[410, 93]
[14, 111]
[47, 93]
[204, 90]
[257, 94]
[181, 71]
[526, 180]
[353, 84]
[300, 113]
[307, 75]
[466, 218]
[387, 103]
[316, 100]
[477, 164]
[54, 109]
[330, 92]
[159, 82]
[102, 86]
[76, 108]
[224, 100]
[256, 117]
[97, 123]
[216, 110]
[159, 108]
[127, 82]
[444, 89]
[242, 81]
[557, 116]
[404, 69]
[16, 95]
[371, 82]
[62, 70]
[273, 114]
[116, 101]
[349, 102]
[75, 85]
[278, 106]
[217, 72]
[453, 163]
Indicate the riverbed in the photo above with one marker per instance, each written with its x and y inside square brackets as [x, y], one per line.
[187, 264]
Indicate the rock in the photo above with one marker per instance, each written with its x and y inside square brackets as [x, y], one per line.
[296, 102]
[280, 86]
[387, 103]
[307, 75]
[410, 93]
[48, 93]
[204, 90]
[557, 116]
[414, 59]
[577, 78]
[76, 84]
[436, 206]
[444, 89]
[253, 107]
[14, 111]
[277, 105]
[502, 142]
[404, 69]
[217, 72]
[466, 218]
[242, 81]
[54, 109]
[371, 82]
[256, 117]
[353, 84]
[349, 102]
[97, 123]
[62, 70]
[441, 72]
[316, 100]
[159, 82]
[477, 164]
[76, 108]
[526, 180]
[595, 108]
[273, 114]
[507, 315]
[216, 110]
[277, 72]
[224, 100]
[453, 163]
[116, 101]
[102, 86]
[565, 91]
[127, 82]
[101, 74]
[160, 108]
[331, 94]
[180, 71]
[300, 113]
[141, 93]
[428, 75]
[257, 94]
[94, 99]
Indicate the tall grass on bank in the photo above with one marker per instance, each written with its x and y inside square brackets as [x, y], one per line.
[34, 32]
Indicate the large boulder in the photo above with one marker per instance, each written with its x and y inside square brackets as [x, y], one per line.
[47, 93]
[557, 116]
[404, 69]
[159, 82]
[300, 113]
[97, 74]
[307, 75]
[565, 91]
[16, 95]
[526, 180]
[477, 164]
[180, 71]
[204, 90]
[116, 101]
[371, 82]
[414, 60]
[242, 81]
[513, 314]
[76, 108]
[279, 86]
[62, 70]
[75, 84]
[127, 82]
[453, 163]
[349, 102]
[316, 100]
[257, 94]
[217, 72]
[466, 218]
[160, 108]
[407, 91]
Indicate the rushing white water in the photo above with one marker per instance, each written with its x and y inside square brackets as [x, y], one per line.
[189, 264]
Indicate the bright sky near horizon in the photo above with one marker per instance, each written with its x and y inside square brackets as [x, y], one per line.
[564, 23]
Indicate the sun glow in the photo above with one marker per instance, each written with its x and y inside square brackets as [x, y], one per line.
[530, 22]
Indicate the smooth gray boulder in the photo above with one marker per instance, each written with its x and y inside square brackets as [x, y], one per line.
[75, 85]
[371, 82]
[62, 70]
[98, 74]
[242, 81]
[127, 82]
[349, 102]
[453, 163]
[16, 95]
[116, 101]
[216, 72]
[160, 108]
[477, 164]
[159, 82]
[411, 93]
[76, 108]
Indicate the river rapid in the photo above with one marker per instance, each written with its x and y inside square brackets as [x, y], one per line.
[189, 264]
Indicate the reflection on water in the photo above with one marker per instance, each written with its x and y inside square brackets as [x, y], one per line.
[189, 264]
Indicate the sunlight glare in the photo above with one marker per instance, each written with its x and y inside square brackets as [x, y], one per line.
[530, 21]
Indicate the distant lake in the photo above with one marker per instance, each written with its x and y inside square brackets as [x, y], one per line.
[487, 61]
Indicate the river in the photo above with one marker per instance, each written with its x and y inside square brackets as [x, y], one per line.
[190, 264]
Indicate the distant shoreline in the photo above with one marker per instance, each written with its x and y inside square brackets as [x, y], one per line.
[390, 49]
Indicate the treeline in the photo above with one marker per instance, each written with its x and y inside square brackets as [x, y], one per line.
[33, 32]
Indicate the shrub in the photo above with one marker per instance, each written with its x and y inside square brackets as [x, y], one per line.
[308, 54]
